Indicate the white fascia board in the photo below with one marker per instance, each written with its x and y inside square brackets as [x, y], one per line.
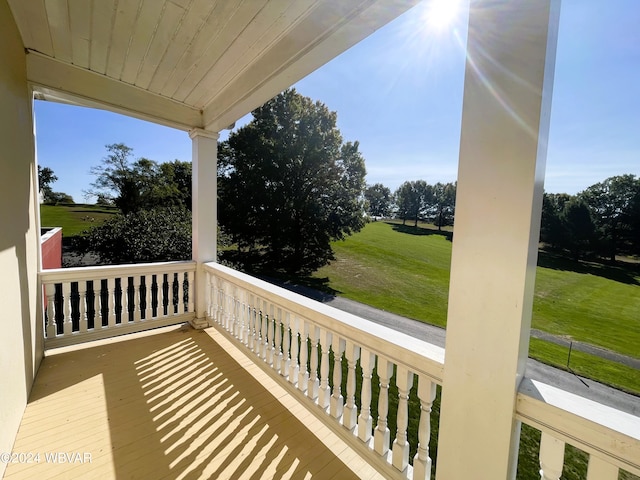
[59, 81]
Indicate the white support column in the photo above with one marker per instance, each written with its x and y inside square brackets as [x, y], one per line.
[505, 121]
[204, 212]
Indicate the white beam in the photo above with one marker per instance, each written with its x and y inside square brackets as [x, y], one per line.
[63, 82]
[505, 122]
[204, 211]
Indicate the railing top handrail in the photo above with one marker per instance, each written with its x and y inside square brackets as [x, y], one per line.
[593, 427]
[419, 356]
[106, 271]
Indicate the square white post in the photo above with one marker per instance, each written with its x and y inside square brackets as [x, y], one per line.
[204, 209]
[505, 121]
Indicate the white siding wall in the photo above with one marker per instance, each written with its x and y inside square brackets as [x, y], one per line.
[21, 332]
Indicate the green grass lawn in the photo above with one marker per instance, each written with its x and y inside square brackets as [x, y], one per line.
[74, 218]
[406, 271]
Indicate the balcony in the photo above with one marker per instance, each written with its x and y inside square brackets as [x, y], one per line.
[279, 386]
[333, 391]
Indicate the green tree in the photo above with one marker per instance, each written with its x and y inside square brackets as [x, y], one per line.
[580, 231]
[612, 207]
[134, 185]
[174, 184]
[288, 185]
[413, 199]
[45, 178]
[161, 234]
[443, 200]
[378, 199]
[552, 229]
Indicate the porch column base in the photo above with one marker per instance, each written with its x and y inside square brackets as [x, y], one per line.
[199, 323]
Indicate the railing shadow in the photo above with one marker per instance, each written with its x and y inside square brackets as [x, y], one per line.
[622, 272]
[420, 230]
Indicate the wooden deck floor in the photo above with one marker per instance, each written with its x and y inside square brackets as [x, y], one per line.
[174, 403]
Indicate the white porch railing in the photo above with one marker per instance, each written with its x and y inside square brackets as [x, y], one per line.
[309, 346]
[91, 303]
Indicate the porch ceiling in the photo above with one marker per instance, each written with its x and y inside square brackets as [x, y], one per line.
[186, 63]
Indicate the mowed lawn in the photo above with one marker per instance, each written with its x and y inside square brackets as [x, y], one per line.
[74, 218]
[406, 271]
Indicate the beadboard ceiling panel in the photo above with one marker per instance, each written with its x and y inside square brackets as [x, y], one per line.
[217, 59]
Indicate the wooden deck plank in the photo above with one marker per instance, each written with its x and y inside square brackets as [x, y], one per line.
[173, 403]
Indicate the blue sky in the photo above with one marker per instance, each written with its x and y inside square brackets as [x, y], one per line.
[399, 93]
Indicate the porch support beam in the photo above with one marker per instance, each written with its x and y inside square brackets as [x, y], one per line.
[204, 212]
[505, 122]
[58, 81]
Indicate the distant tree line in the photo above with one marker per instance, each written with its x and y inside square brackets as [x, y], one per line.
[603, 220]
[414, 201]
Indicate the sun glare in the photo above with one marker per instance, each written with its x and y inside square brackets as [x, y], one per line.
[441, 14]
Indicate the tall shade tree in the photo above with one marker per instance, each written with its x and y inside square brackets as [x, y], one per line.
[612, 204]
[378, 199]
[288, 186]
[45, 178]
[579, 229]
[443, 203]
[413, 199]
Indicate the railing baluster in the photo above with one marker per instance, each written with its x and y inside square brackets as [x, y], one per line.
[257, 324]
[235, 312]
[208, 278]
[286, 344]
[190, 280]
[600, 469]
[270, 333]
[264, 333]
[381, 436]
[50, 289]
[294, 369]
[217, 302]
[244, 318]
[336, 404]
[148, 297]
[161, 295]
[324, 394]
[66, 299]
[227, 308]
[278, 325]
[312, 388]
[137, 304]
[367, 361]
[180, 293]
[82, 306]
[350, 415]
[111, 292]
[124, 300]
[303, 373]
[400, 456]
[251, 334]
[422, 461]
[551, 457]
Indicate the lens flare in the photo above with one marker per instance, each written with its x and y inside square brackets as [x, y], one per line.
[441, 14]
